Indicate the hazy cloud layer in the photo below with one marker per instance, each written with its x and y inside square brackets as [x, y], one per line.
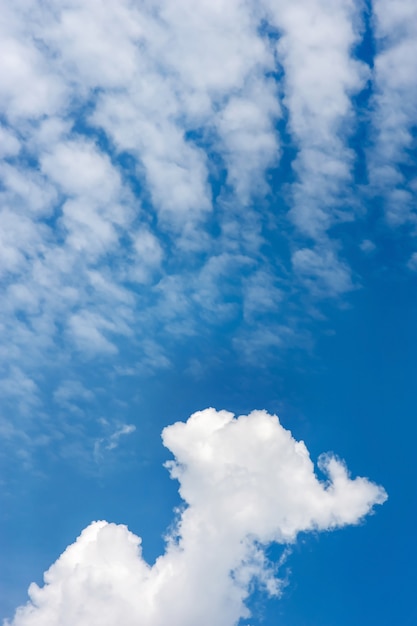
[246, 482]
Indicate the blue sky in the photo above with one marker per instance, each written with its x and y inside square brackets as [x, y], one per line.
[204, 205]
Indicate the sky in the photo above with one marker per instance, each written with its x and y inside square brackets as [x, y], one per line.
[208, 263]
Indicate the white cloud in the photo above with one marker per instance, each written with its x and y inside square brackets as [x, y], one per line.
[77, 167]
[148, 81]
[367, 246]
[15, 384]
[27, 191]
[88, 330]
[262, 294]
[246, 483]
[147, 248]
[321, 270]
[246, 125]
[9, 144]
[70, 392]
[188, 97]
[394, 107]
[199, 70]
[136, 142]
[115, 431]
[412, 262]
[315, 48]
[28, 85]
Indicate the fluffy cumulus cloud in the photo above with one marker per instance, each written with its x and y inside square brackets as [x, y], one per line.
[245, 482]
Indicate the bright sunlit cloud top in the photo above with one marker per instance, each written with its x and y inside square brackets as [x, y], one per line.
[246, 483]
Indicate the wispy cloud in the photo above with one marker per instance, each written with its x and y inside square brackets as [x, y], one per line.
[321, 74]
[144, 195]
[395, 109]
[80, 228]
[115, 431]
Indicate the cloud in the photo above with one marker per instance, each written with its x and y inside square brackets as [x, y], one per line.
[138, 144]
[29, 87]
[245, 482]
[395, 109]
[9, 143]
[315, 48]
[70, 393]
[367, 246]
[133, 157]
[412, 262]
[15, 386]
[110, 141]
[321, 270]
[114, 431]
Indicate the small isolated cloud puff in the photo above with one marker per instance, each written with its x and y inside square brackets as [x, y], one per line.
[412, 262]
[246, 482]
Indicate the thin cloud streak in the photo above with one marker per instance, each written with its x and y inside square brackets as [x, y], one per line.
[395, 110]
